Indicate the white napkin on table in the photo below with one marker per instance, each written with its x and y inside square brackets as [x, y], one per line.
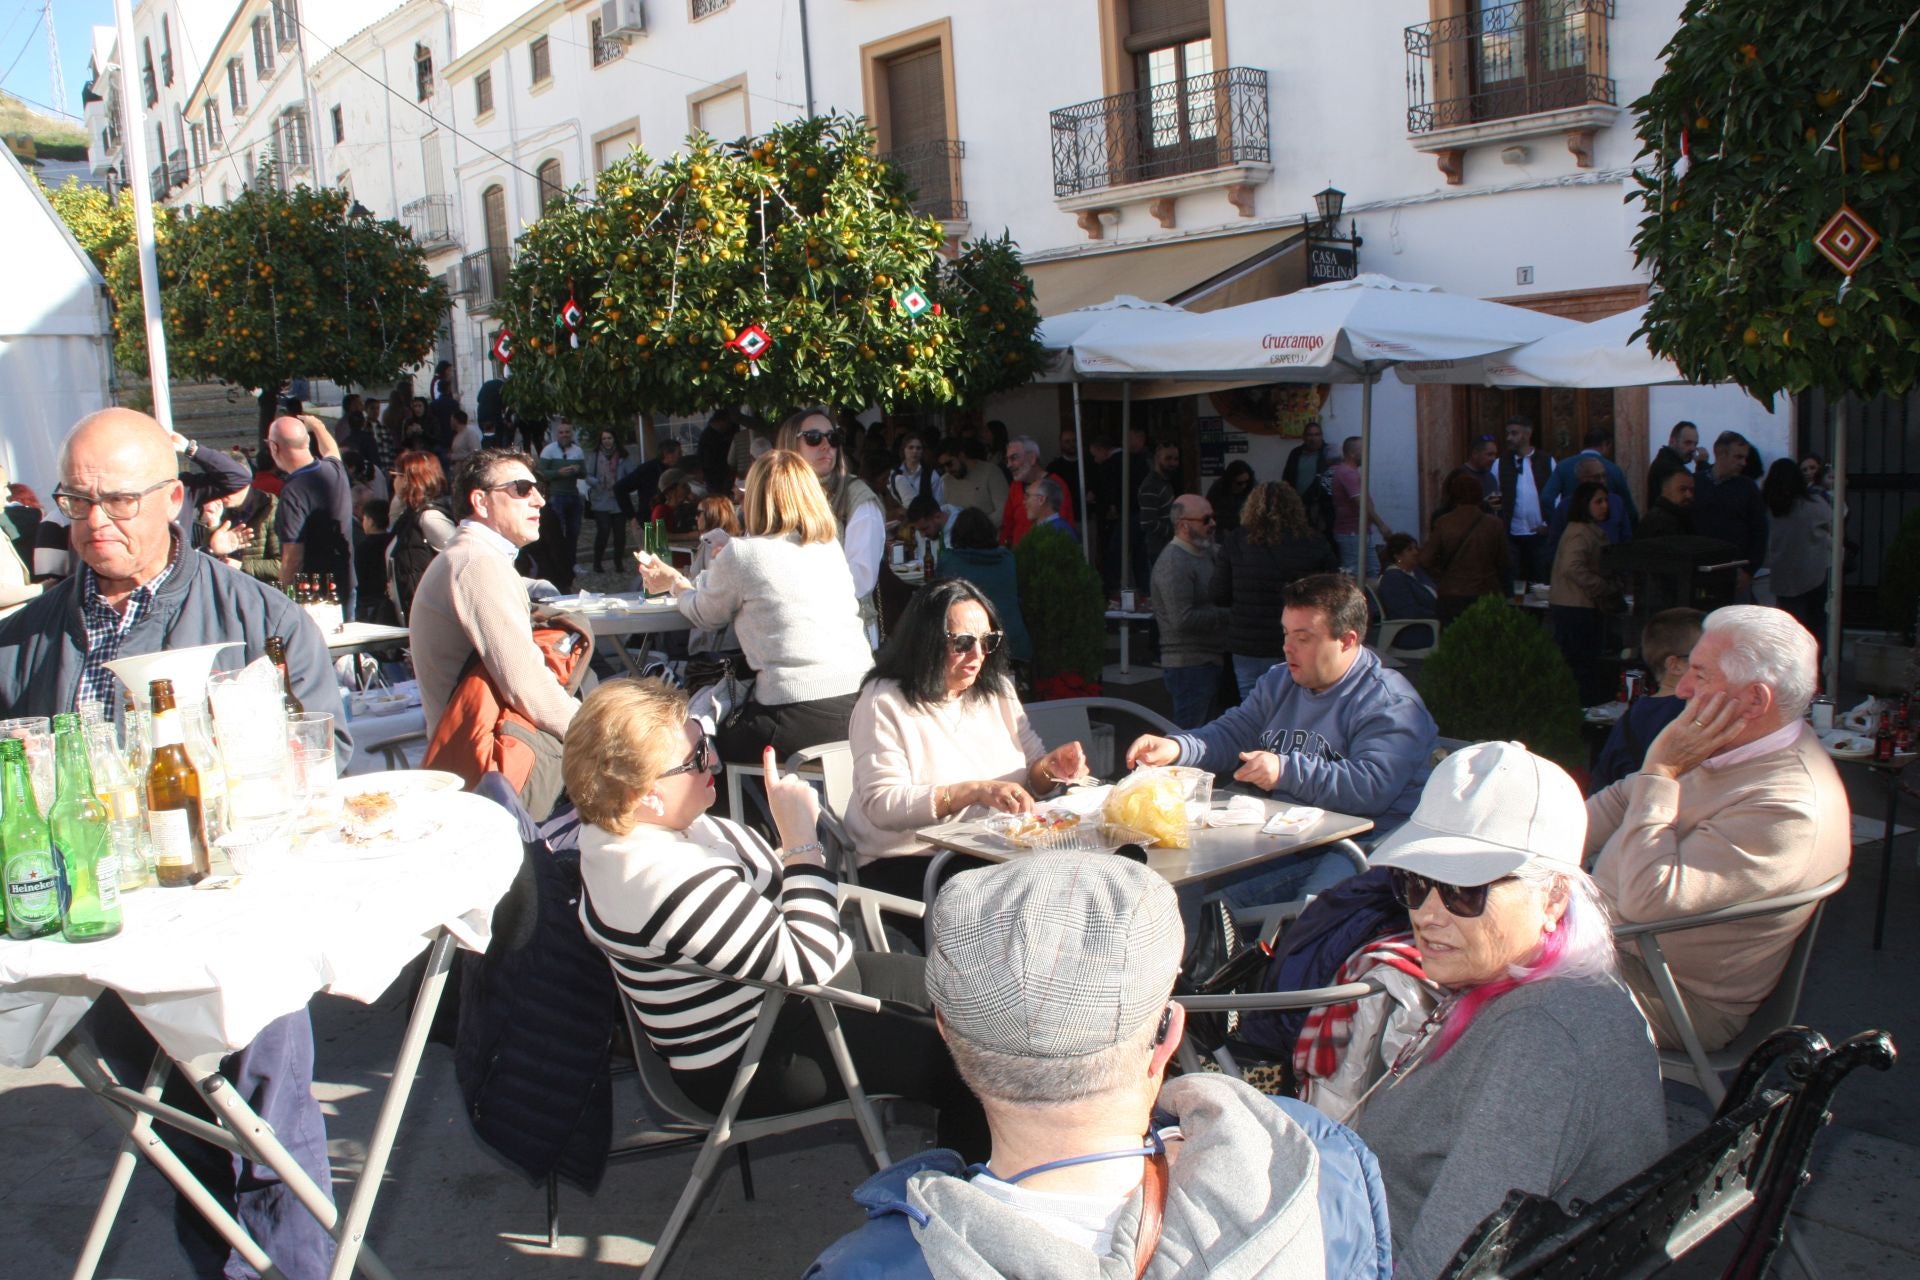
[1291, 821]
[1240, 811]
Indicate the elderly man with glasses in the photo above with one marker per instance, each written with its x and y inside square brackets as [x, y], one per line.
[141, 589]
[471, 601]
[1193, 630]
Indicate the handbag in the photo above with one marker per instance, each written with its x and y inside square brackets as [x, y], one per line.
[722, 685]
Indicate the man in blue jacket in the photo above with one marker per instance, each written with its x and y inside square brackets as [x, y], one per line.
[1597, 443]
[1051, 979]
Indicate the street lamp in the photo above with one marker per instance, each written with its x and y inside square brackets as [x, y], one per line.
[1328, 205]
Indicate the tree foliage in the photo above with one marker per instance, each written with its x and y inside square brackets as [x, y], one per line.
[282, 283]
[99, 224]
[1062, 603]
[1788, 108]
[801, 231]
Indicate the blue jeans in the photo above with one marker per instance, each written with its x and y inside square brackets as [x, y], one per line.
[1349, 546]
[1191, 689]
[1282, 880]
[1247, 672]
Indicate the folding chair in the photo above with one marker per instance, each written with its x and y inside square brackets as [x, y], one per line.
[1693, 1064]
[1064, 720]
[684, 1122]
[1261, 1002]
[1754, 1154]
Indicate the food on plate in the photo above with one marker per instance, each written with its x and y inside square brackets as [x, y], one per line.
[1043, 821]
[370, 813]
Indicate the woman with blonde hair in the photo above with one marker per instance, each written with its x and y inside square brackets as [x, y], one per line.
[785, 589]
[860, 518]
[1273, 546]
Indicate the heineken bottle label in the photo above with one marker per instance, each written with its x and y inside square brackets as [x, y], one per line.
[172, 834]
[33, 887]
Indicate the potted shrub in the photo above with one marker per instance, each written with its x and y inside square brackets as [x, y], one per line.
[1497, 674]
[1065, 608]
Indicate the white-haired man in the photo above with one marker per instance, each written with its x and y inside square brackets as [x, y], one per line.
[1023, 464]
[1736, 801]
[1052, 982]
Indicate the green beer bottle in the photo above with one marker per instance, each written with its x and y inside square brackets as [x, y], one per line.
[27, 864]
[84, 839]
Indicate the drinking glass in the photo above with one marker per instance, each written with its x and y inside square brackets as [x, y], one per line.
[37, 732]
[316, 783]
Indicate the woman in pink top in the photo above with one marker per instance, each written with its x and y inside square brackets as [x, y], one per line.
[937, 730]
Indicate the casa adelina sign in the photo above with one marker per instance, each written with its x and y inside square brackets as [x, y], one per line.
[1328, 262]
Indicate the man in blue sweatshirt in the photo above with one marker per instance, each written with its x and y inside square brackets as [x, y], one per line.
[1330, 727]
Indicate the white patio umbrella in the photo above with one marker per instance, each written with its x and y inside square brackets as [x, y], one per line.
[1602, 353]
[1347, 331]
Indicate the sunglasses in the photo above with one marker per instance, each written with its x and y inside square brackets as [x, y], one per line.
[705, 759]
[962, 642]
[519, 488]
[118, 506]
[1466, 902]
[815, 437]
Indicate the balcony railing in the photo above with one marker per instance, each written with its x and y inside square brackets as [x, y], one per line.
[160, 185]
[932, 170]
[487, 276]
[605, 51]
[430, 219]
[1508, 60]
[177, 171]
[1184, 126]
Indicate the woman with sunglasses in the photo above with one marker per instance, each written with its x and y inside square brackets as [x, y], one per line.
[860, 520]
[1535, 1071]
[666, 884]
[938, 730]
[785, 590]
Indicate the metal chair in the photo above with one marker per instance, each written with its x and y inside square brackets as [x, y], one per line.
[1262, 1002]
[1064, 720]
[1693, 1064]
[1754, 1154]
[684, 1122]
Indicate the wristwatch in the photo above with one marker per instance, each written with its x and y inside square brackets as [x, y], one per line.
[801, 850]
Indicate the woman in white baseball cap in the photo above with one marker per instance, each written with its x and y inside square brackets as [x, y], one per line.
[1536, 1071]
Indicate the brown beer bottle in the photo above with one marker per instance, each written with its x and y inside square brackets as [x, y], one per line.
[277, 655]
[174, 819]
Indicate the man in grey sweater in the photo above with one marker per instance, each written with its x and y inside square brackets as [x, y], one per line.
[1193, 630]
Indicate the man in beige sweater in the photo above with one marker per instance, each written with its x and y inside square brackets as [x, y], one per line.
[1737, 801]
[470, 599]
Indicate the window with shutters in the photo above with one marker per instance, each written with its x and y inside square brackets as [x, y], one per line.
[483, 94]
[549, 177]
[610, 148]
[339, 125]
[149, 88]
[197, 143]
[1171, 44]
[263, 47]
[493, 209]
[909, 82]
[296, 144]
[237, 86]
[541, 57]
[286, 22]
[721, 110]
[166, 50]
[422, 73]
[215, 137]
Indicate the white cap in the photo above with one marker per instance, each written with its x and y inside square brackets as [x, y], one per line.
[1486, 811]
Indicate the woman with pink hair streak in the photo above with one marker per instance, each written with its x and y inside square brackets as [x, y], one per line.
[1535, 1071]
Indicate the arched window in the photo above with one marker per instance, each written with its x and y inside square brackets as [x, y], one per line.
[550, 183]
[493, 207]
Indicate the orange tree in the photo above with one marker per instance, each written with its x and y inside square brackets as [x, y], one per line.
[279, 283]
[99, 224]
[801, 232]
[1769, 115]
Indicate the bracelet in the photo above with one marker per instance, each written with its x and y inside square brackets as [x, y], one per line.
[1046, 774]
[800, 850]
[943, 802]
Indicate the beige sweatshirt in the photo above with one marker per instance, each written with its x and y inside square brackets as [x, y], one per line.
[904, 754]
[1716, 837]
[470, 600]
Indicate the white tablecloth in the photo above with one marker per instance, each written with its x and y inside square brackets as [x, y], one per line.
[206, 969]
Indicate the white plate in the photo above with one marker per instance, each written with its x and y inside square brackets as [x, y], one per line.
[388, 706]
[401, 783]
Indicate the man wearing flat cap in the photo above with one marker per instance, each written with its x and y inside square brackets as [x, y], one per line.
[1052, 981]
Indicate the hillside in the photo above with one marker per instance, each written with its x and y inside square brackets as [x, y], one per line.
[53, 139]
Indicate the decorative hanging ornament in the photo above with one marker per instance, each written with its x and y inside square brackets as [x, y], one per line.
[752, 342]
[503, 347]
[570, 318]
[1846, 240]
[913, 302]
[1685, 162]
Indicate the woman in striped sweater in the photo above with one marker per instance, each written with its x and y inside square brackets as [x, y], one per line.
[665, 884]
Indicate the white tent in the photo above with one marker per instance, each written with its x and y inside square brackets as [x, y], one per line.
[1600, 354]
[1347, 331]
[56, 338]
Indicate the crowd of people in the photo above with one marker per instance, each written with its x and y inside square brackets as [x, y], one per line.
[1040, 993]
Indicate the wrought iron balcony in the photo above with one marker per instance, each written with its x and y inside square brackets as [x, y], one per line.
[605, 51]
[430, 219]
[1499, 62]
[159, 185]
[486, 276]
[177, 172]
[932, 171]
[1185, 126]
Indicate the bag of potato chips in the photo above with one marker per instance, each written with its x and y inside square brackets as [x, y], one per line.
[1152, 801]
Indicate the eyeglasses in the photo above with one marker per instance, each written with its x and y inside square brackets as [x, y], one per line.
[962, 642]
[118, 506]
[1200, 520]
[703, 760]
[1467, 902]
[814, 437]
[519, 488]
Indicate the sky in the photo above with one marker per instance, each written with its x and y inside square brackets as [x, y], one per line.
[23, 46]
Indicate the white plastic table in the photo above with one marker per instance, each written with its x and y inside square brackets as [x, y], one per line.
[630, 614]
[205, 970]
